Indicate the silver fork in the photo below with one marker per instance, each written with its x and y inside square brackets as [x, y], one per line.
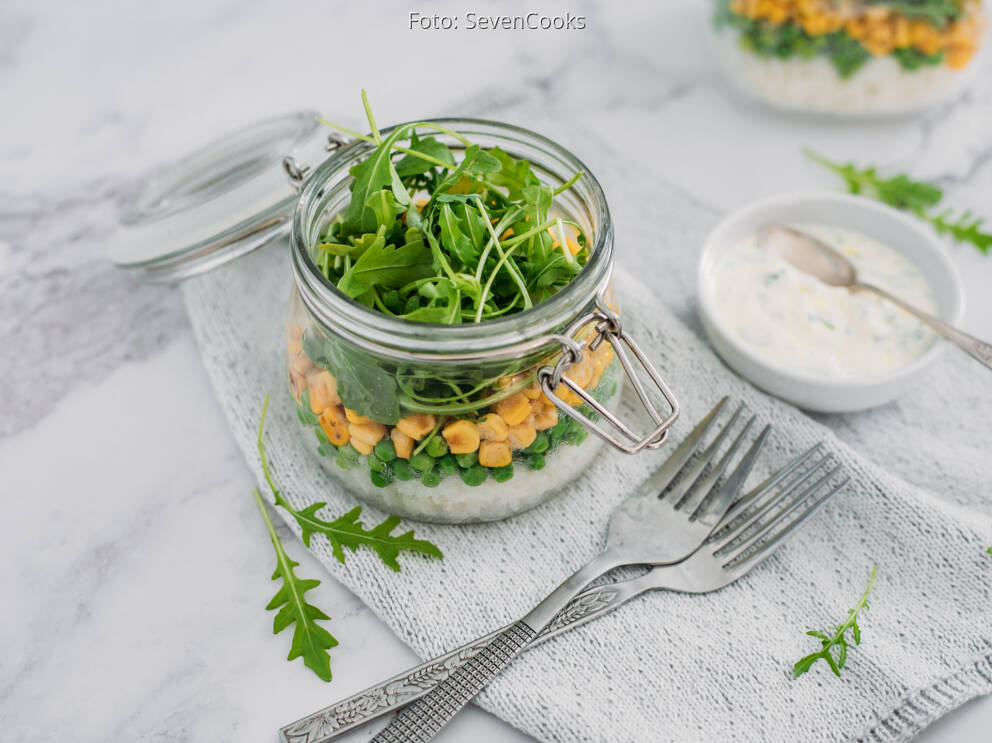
[746, 536]
[644, 529]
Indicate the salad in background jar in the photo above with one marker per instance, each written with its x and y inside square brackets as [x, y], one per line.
[849, 57]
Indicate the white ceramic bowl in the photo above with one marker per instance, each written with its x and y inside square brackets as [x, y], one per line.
[902, 232]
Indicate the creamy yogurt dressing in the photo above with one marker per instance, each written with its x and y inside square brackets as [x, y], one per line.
[792, 319]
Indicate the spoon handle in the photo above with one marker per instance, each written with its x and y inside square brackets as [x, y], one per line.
[977, 348]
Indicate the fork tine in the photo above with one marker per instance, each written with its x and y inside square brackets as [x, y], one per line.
[769, 547]
[739, 549]
[715, 509]
[708, 482]
[662, 478]
[747, 499]
[695, 470]
[755, 516]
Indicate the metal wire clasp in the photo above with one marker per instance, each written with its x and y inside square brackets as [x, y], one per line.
[608, 328]
[297, 172]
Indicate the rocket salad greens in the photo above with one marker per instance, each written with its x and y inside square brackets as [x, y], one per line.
[432, 238]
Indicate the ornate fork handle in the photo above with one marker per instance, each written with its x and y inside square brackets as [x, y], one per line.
[424, 718]
[415, 683]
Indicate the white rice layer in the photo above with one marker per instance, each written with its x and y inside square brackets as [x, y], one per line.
[880, 87]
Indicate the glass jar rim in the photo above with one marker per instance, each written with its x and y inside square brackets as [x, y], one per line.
[501, 336]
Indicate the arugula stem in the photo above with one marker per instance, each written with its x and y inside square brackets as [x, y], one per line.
[279, 500]
[563, 242]
[510, 266]
[368, 113]
[489, 283]
[405, 150]
[530, 233]
[427, 439]
[567, 184]
[838, 639]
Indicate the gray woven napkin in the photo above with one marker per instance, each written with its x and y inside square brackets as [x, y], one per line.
[669, 666]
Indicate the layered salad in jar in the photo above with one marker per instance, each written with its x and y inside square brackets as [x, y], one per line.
[871, 57]
[442, 236]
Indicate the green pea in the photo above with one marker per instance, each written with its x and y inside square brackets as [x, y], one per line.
[437, 447]
[343, 461]
[474, 475]
[385, 450]
[380, 479]
[377, 465]
[539, 445]
[431, 479]
[349, 453]
[402, 470]
[502, 474]
[576, 437]
[422, 461]
[467, 460]
[448, 464]
[536, 462]
[557, 432]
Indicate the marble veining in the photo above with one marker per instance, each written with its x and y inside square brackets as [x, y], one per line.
[125, 616]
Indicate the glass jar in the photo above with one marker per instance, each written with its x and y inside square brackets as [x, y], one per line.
[847, 57]
[471, 422]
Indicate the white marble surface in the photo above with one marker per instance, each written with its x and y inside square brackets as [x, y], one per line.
[134, 566]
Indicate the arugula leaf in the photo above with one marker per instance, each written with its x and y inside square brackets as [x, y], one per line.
[372, 174]
[966, 228]
[411, 165]
[919, 197]
[347, 530]
[381, 210]
[363, 385]
[836, 637]
[514, 175]
[453, 239]
[382, 265]
[310, 640]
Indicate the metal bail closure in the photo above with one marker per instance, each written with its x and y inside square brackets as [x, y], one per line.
[609, 329]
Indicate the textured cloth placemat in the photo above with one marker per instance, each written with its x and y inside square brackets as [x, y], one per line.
[669, 666]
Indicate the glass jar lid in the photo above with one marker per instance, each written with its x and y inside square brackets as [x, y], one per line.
[218, 203]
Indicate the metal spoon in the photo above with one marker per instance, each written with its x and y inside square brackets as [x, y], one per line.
[814, 257]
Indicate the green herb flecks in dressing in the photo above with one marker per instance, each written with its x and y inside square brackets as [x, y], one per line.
[792, 319]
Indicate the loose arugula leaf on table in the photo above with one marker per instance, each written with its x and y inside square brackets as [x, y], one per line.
[919, 197]
[836, 637]
[310, 640]
[965, 228]
[347, 530]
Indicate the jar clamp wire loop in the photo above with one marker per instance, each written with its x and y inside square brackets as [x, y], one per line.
[608, 328]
